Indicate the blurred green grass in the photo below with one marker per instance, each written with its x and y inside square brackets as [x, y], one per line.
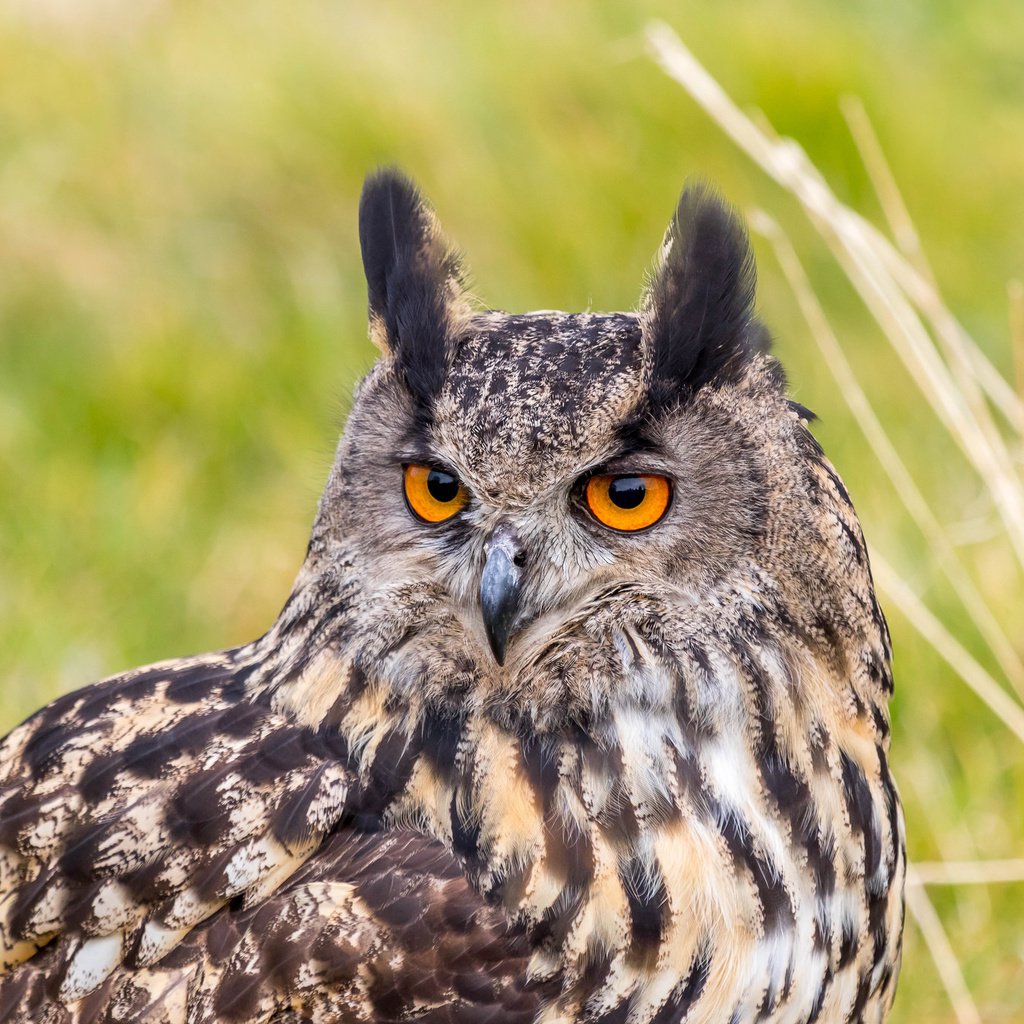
[182, 310]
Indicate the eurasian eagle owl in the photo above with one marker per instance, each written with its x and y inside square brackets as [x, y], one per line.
[577, 711]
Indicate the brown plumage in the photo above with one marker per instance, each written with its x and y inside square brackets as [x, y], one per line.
[522, 745]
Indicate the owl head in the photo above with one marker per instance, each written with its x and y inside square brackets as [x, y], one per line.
[528, 509]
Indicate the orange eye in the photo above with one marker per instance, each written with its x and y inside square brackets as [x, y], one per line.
[628, 503]
[433, 494]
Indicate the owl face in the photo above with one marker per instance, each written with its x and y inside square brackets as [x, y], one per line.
[520, 491]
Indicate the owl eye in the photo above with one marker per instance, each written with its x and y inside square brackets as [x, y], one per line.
[433, 494]
[628, 503]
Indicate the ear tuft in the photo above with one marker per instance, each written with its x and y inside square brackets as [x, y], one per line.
[699, 308]
[413, 280]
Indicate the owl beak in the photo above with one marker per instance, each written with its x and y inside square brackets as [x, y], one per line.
[501, 587]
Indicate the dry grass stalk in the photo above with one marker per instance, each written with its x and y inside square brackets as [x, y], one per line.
[947, 646]
[920, 285]
[884, 183]
[1015, 295]
[946, 963]
[968, 872]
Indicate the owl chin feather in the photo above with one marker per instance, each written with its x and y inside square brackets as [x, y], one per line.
[516, 762]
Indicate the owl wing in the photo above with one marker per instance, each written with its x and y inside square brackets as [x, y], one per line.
[173, 848]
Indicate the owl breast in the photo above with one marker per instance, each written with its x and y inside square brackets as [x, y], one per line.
[716, 846]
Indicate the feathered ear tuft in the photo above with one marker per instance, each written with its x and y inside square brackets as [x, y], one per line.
[413, 279]
[698, 311]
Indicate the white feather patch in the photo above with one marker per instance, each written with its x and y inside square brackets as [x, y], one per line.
[157, 939]
[91, 966]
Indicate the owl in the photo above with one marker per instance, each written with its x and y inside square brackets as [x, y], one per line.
[577, 712]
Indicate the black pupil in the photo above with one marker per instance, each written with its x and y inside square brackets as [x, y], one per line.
[443, 486]
[627, 491]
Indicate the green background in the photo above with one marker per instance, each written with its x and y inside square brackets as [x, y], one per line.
[182, 309]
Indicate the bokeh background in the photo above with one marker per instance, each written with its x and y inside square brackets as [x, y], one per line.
[182, 309]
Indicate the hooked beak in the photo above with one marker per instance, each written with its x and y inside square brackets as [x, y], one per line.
[501, 587]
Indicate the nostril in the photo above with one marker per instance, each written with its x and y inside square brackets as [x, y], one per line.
[506, 539]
